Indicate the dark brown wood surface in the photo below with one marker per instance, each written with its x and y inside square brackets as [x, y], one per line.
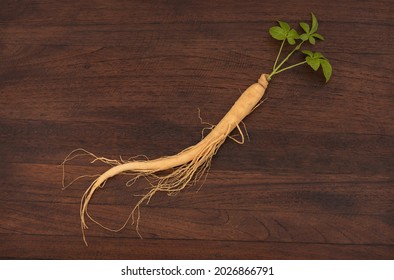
[316, 180]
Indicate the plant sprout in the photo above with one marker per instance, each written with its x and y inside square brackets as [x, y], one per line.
[283, 32]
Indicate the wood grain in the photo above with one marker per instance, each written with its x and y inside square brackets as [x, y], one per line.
[316, 180]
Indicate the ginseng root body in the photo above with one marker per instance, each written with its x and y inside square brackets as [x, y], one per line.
[184, 168]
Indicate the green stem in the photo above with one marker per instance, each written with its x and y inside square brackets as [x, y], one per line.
[277, 57]
[287, 68]
[276, 69]
[289, 55]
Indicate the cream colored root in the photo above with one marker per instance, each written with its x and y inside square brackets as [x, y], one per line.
[185, 168]
[209, 125]
[78, 153]
[171, 184]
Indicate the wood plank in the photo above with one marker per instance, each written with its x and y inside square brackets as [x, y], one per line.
[200, 223]
[66, 247]
[122, 11]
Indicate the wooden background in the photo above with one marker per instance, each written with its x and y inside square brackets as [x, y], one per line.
[316, 180]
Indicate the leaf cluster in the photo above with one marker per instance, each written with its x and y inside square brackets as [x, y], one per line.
[283, 32]
[315, 60]
[310, 31]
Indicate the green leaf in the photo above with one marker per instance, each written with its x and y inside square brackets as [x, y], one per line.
[305, 27]
[308, 53]
[318, 36]
[284, 25]
[277, 33]
[327, 69]
[313, 62]
[318, 55]
[315, 24]
[292, 35]
[304, 37]
[291, 41]
[312, 40]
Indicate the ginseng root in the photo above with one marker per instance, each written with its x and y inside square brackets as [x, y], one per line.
[186, 167]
